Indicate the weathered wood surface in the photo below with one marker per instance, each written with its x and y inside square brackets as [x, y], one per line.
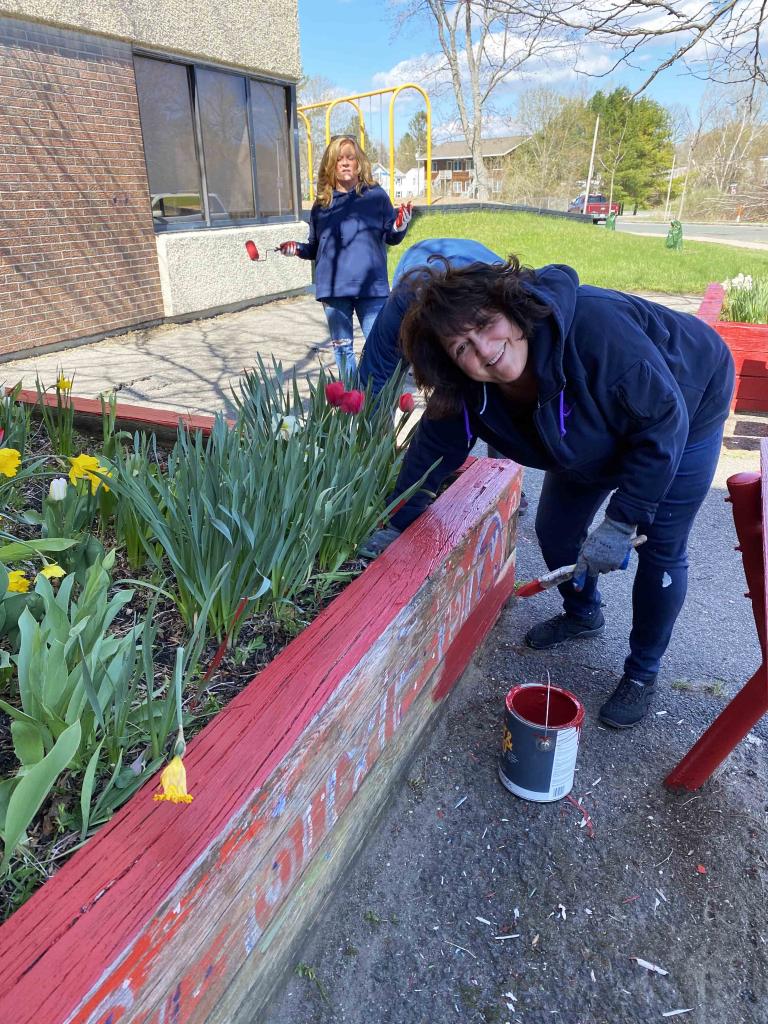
[749, 347]
[168, 908]
[135, 417]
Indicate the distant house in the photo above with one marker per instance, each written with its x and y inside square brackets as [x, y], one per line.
[453, 168]
[381, 174]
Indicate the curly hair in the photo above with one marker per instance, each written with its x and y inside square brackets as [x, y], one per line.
[326, 176]
[448, 302]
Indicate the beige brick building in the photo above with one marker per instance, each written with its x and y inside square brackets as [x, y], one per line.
[141, 144]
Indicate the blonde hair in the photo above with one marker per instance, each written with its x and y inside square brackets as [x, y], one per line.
[326, 176]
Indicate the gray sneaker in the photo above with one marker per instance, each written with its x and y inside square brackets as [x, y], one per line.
[563, 627]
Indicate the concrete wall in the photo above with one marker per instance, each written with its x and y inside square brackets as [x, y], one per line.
[260, 35]
[203, 270]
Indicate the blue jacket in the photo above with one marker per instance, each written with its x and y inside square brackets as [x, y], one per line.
[347, 242]
[624, 385]
[381, 355]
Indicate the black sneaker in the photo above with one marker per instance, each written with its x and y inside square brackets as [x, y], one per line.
[522, 508]
[628, 704]
[563, 627]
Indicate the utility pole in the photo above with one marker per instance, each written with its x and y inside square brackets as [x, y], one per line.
[685, 185]
[591, 164]
[669, 187]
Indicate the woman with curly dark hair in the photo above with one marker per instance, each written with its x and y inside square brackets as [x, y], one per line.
[609, 394]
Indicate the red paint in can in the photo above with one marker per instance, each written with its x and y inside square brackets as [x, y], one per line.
[540, 744]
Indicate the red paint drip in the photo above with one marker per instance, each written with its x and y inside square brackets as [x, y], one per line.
[584, 813]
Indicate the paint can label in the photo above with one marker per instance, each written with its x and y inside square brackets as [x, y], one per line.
[539, 746]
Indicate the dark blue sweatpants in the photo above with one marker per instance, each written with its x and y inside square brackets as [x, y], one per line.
[565, 512]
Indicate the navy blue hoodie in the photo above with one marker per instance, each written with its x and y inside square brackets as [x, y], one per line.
[623, 385]
[347, 241]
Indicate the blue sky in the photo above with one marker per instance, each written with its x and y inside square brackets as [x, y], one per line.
[354, 45]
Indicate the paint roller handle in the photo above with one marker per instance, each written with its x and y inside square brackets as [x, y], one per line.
[288, 248]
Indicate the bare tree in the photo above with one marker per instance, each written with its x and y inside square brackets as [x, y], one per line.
[723, 41]
[481, 46]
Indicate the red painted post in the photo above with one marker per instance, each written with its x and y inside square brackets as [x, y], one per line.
[751, 702]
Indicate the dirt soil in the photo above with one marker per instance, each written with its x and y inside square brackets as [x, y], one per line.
[470, 904]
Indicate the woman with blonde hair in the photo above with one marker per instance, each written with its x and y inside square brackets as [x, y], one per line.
[351, 223]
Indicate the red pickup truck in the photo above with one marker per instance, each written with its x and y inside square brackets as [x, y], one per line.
[597, 207]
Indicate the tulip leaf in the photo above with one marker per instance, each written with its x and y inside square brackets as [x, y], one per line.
[33, 788]
[30, 549]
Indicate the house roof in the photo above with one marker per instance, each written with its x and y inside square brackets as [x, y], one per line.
[460, 150]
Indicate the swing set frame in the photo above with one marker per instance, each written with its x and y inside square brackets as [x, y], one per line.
[330, 105]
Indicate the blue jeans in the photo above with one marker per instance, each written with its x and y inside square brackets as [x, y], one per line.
[338, 313]
[565, 512]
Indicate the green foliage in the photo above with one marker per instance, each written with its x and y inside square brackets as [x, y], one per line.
[413, 142]
[59, 419]
[14, 419]
[86, 696]
[634, 146]
[746, 300]
[140, 462]
[283, 494]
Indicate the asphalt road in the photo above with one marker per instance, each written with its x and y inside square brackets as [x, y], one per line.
[755, 235]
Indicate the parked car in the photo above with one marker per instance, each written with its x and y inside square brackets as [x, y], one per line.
[597, 207]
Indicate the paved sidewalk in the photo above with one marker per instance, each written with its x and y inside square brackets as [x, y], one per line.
[193, 366]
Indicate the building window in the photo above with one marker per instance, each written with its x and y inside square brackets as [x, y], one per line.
[458, 165]
[217, 145]
[458, 187]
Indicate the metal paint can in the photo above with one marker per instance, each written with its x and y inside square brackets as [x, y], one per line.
[538, 760]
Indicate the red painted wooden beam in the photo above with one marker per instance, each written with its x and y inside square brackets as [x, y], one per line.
[144, 417]
[156, 917]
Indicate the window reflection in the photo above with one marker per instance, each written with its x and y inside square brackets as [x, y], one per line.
[227, 149]
[169, 140]
[273, 149]
[242, 130]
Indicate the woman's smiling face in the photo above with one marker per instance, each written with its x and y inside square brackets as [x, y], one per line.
[496, 353]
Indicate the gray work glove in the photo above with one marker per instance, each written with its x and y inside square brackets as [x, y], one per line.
[605, 549]
[378, 541]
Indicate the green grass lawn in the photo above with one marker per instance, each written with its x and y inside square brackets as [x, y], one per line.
[605, 258]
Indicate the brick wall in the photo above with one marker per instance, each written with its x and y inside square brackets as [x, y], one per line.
[77, 247]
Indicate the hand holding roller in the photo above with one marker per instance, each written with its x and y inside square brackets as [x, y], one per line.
[561, 575]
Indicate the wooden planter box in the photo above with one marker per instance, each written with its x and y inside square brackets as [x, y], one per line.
[748, 344]
[192, 913]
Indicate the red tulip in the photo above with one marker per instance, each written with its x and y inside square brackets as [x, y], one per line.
[334, 392]
[352, 402]
[406, 402]
[2, 435]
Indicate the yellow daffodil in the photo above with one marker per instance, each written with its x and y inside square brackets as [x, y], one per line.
[52, 571]
[174, 783]
[10, 460]
[85, 467]
[17, 582]
[63, 383]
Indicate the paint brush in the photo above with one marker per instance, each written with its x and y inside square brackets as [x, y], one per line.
[561, 575]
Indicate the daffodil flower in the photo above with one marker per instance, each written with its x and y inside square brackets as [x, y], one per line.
[63, 383]
[85, 467]
[174, 783]
[52, 571]
[18, 582]
[10, 460]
